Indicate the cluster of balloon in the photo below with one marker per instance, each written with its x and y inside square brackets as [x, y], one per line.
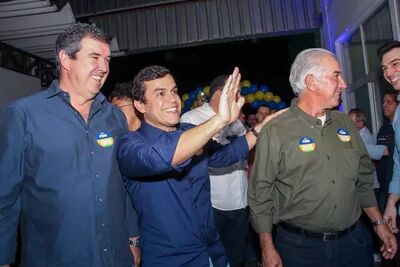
[261, 95]
[195, 98]
[254, 95]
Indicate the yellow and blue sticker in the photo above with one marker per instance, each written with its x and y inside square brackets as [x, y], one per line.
[104, 139]
[343, 135]
[306, 144]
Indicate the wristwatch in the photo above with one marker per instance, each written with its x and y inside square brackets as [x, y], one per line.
[253, 131]
[134, 243]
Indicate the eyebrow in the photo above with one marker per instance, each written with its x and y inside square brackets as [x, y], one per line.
[164, 89]
[390, 62]
[97, 54]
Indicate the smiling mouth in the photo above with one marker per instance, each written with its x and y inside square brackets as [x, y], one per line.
[171, 110]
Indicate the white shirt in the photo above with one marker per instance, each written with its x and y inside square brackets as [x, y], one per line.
[375, 151]
[228, 184]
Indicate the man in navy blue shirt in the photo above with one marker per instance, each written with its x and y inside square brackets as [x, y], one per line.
[167, 164]
[58, 172]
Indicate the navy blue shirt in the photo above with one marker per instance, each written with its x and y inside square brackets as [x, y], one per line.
[384, 167]
[173, 202]
[59, 177]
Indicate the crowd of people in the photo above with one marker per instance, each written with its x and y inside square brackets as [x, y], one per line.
[129, 180]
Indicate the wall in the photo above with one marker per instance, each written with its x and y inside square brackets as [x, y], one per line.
[15, 85]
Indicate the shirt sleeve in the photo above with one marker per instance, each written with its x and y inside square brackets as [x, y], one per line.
[139, 158]
[226, 155]
[364, 186]
[132, 218]
[375, 151]
[394, 186]
[12, 136]
[261, 184]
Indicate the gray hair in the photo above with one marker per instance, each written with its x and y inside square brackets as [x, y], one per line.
[70, 40]
[307, 62]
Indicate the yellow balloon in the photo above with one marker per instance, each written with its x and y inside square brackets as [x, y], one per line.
[250, 98]
[206, 90]
[259, 95]
[276, 98]
[185, 97]
[246, 83]
[268, 96]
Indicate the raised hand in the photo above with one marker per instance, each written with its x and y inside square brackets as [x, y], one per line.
[231, 101]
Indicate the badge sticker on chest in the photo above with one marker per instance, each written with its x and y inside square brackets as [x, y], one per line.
[343, 135]
[104, 139]
[306, 144]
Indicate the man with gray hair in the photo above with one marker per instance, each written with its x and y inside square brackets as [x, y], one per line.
[313, 177]
[59, 179]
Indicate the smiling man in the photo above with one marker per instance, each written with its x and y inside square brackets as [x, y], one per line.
[167, 166]
[58, 172]
[312, 177]
[389, 55]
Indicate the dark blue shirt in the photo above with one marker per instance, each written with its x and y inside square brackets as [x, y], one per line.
[384, 167]
[173, 202]
[59, 177]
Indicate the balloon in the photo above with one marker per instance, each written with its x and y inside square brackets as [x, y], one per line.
[192, 95]
[206, 90]
[256, 104]
[244, 91]
[253, 88]
[281, 105]
[185, 97]
[246, 83]
[259, 95]
[264, 88]
[268, 96]
[250, 98]
[272, 105]
[276, 98]
[198, 90]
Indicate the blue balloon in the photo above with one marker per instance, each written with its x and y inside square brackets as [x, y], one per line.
[253, 88]
[193, 95]
[281, 105]
[198, 90]
[264, 88]
[244, 91]
[256, 104]
[272, 104]
[263, 103]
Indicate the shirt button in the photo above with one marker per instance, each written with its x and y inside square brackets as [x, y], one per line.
[333, 181]
[91, 153]
[105, 250]
[328, 157]
[335, 206]
[102, 225]
[100, 200]
[96, 175]
[87, 131]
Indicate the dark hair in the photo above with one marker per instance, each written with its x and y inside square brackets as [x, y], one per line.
[121, 90]
[218, 83]
[70, 39]
[386, 48]
[360, 114]
[146, 74]
[393, 94]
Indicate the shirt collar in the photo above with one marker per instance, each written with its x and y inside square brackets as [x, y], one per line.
[55, 89]
[149, 131]
[307, 118]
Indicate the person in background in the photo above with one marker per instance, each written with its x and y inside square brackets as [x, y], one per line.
[262, 113]
[121, 97]
[59, 178]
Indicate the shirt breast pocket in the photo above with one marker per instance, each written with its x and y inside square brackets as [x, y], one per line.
[348, 164]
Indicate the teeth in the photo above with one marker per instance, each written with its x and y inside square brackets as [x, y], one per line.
[170, 109]
[96, 78]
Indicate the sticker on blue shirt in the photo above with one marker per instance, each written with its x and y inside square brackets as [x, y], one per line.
[104, 139]
[343, 135]
[306, 144]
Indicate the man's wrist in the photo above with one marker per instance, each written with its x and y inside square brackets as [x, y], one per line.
[134, 242]
[379, 222]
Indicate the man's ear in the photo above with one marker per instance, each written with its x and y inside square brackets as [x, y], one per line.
[139, 105]
[310, 82]
[65, 60]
